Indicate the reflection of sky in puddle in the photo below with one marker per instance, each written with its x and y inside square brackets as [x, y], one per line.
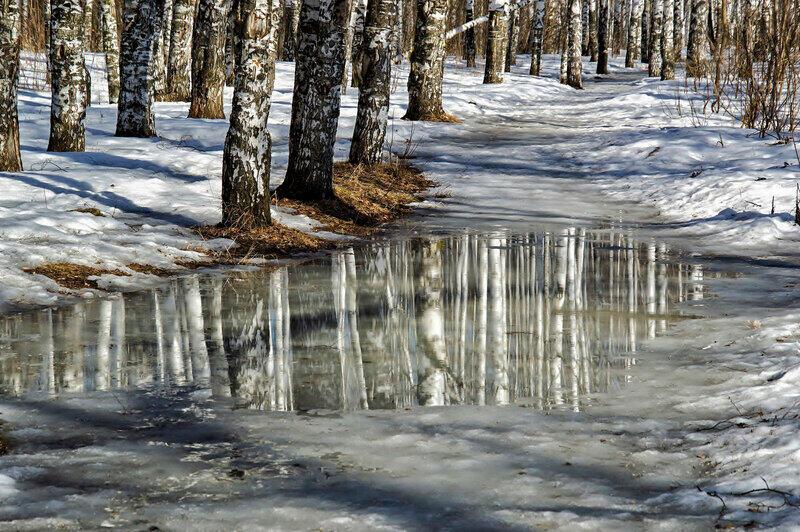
[546, 320]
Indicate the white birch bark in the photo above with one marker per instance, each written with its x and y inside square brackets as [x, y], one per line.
[10, 158]
[67, 77]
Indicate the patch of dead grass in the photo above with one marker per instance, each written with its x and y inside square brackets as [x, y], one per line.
[151, 270]
[90, 210]
[74, 276]
[366, 197]
[275, 241]
[440, 117]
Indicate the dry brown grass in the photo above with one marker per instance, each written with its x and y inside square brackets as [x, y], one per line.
[71, 275]
[366, 197]
[151, 270]
[90, 210]
[275, 241]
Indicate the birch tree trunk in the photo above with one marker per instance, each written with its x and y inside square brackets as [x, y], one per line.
[110, 34]
[140, 30]
[602, 36]
[290, 17]
[10, 159]
[358, 41]
[208, 59]
[667, 42]
[496, 37]
[678, 29]
[656, 25]
[645, 31]
[513, 37]
[67, 76]
[88, 26]
[373, 98]
[432, 388]
[427, 62]
[179, 71]
[634, 34]
[695, 47]
[537, 39]
[574, 65]
[469, 35]
[162, 52]
[319, 68]
[247, 156]
[592, 37]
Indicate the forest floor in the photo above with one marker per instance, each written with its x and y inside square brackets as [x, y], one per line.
[705, 434]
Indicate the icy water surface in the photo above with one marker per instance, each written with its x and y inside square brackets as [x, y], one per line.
[546, 320]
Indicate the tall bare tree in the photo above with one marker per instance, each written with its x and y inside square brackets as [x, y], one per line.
[110, 35]
[208, 59]
[667, 41]
[656, 27]
[602, 36]
[633, 51]
[141, 28]
[67, 76]
[574, 40]
[373, 98]
[696, 45]
[10, 159]
[247, 156]
[469, 35]
[179, 60]
[319, 67]
[496, 40]
[537, 38]
[427, 62]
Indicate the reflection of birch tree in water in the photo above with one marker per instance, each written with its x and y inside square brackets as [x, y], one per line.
[481, 319]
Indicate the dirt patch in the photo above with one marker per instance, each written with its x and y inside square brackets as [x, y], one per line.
[74, 276]
[366, 197]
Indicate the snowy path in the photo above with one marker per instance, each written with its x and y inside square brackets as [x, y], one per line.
[630, 461]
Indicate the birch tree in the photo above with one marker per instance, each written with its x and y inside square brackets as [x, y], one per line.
[573, 51]
[247, 156]
[512, 20]
[110, 36]
[656, 26]
[291, 16]
[179, 64]
[317, 95]
[667, 41]
[678, 29]
[140, 30]
[67, 77]
[537, 38]
[496, 37]
[427, 62]
[358, 40]
[208, 59]
[696, 45]
[10, 159]
[373, 99]
[602, 36]
[469, 35]
[162, 51]
[633, 51]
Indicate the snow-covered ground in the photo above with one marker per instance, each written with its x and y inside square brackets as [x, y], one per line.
[713, 403]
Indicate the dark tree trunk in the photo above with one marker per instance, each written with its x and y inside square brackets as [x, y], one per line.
[537, 38]
[469, 35]
[645, 40]
[140, 30]
[427, 62]
[319, 67]
[695, 48]
[373, 99]
[10, 160]
[602, 36]
[179, 71]
[247, 156]
[357, 47]
[513, 36]
[291, 17]
[68, 76]
[592, 36]
[208, 59]
[496, 37]
[677, 30]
